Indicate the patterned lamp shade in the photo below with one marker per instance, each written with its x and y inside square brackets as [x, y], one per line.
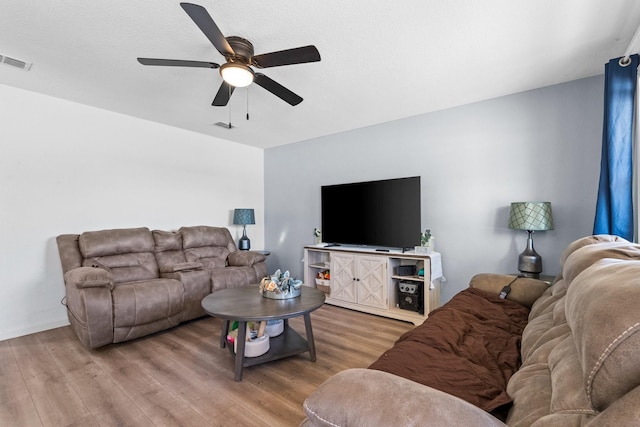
[243, 217]
[531, 216]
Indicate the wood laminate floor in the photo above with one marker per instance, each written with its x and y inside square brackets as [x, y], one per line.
[179, 377]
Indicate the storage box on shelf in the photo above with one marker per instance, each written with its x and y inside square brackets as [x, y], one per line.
[371, 281]
[324, 285]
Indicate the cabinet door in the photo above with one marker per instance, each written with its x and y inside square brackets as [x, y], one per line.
[372, 281]
[343, 274]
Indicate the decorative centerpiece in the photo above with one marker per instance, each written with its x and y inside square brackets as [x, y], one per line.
[280, 286]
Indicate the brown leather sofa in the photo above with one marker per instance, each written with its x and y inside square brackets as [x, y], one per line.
[122, 284]
[580, 357]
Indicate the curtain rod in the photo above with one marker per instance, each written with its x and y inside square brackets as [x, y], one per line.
[631, 48]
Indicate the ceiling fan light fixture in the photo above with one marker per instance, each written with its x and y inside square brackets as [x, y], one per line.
[236, 74]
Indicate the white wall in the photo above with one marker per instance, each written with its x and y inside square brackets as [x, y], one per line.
[69, 168]
[474, 160]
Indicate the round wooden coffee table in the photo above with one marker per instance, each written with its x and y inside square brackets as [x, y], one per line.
[246, 304]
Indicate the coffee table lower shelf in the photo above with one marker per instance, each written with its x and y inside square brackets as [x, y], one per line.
[288, 343]
[245, 304]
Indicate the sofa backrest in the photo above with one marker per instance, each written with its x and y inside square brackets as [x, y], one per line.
[127, 253]
[209, 246]
[168, 248]
[602, 309]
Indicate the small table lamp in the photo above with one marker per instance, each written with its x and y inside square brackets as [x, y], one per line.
[244, 217]
[530, 216]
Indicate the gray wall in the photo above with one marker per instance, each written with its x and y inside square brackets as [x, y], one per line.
[474, 160]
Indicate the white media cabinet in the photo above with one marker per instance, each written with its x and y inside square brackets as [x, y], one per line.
[367, 280]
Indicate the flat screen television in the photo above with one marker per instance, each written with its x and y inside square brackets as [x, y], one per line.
[383, 213]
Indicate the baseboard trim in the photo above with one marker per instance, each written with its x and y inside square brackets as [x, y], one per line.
[32, 329]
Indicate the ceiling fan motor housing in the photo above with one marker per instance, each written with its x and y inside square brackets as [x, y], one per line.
[242, 48]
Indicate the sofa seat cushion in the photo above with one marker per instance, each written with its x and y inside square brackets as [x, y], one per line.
[222, 278]
[146, 301]
[469, 348]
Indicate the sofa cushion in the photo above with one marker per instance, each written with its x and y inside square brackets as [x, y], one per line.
[115, 242]
[208, 245]
[127, 267]
[167, 240]
[229, 277]
[586, 256]
[589, 240]
[146, 301]
[209, 256]
[602, 310]
[202, 235]
[366, 397]
[530, 389]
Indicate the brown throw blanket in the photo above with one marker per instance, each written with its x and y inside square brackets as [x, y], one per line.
[469, 348]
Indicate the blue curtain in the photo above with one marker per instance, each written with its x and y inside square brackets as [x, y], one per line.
[614, 209]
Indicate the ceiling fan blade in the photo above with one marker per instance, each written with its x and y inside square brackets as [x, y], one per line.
[177, 63]
[297, 55]
[203, 20]
[223, 95]
[277, 89]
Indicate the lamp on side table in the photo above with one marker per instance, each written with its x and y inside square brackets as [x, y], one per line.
[530, 216]
[244, 217]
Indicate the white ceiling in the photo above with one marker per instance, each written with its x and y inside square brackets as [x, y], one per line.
[381, 60]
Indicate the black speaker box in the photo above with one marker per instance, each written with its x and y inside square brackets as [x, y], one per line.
[406, 270]
[411, 297]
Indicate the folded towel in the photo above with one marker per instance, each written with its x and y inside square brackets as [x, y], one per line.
[436, 267]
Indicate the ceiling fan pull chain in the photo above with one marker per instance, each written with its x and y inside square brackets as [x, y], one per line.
[247, 103]
[229, 105]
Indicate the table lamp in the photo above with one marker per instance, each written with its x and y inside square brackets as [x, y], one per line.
[244, 217]
[530, 216]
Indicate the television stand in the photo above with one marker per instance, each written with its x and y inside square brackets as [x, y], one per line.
[367, 280]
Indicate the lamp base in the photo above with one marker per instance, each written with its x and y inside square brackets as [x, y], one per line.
[529, 261]
[244, 244]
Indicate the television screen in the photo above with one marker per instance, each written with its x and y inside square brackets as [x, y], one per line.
[375, 213]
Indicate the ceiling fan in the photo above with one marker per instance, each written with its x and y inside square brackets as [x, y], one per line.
[238, 52]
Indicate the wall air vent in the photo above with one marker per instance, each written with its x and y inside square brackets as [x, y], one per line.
[26, 66]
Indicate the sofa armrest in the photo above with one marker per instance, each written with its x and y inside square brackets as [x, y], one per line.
[525, 290]
[182, 266]
[88, 277]
[245, 258]
[367, 397]
[90, 305]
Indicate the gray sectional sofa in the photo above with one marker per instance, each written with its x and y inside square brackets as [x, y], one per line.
[123, 284]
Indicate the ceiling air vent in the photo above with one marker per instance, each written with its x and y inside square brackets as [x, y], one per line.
[15, 62]
[224, 125]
